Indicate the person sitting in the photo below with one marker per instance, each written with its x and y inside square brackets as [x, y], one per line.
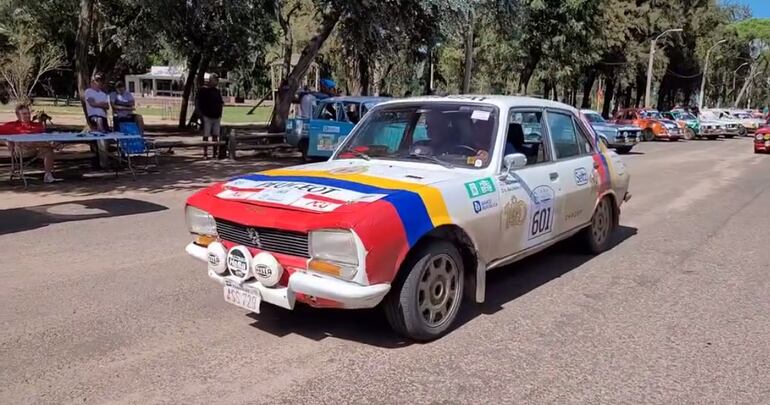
[124, 107]
[24, 125]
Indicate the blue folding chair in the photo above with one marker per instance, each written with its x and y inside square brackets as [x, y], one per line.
[135, 147]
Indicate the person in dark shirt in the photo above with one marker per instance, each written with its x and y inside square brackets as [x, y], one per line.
[209, 105]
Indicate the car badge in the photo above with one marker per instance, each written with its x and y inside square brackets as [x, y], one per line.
[254, 236]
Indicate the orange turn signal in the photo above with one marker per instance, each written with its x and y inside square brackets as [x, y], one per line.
[204, 240]
[324, 267]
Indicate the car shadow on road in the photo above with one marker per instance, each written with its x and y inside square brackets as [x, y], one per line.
[27, 218]
[370, 326]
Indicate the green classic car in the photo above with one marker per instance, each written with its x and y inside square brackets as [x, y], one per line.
[692, 128]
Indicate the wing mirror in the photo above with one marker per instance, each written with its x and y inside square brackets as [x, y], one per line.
[514, 161]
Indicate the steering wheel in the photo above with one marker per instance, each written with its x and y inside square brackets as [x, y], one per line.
[465, 148]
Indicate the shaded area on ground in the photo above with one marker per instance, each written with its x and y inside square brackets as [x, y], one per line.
[370, 327]
[27, 218]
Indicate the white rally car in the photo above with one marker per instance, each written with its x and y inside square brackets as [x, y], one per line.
[416, 205]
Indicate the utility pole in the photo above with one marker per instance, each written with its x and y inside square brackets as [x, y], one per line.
[650, 63]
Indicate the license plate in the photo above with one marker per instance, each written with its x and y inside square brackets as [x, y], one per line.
[242, 298]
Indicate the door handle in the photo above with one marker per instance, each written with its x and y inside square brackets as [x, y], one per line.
[554, 176]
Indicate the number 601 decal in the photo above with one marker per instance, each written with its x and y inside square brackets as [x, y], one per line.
[541, 222]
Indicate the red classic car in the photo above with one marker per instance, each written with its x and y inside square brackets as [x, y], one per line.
[762, 140]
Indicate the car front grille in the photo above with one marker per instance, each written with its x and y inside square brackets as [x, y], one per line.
[269, 240]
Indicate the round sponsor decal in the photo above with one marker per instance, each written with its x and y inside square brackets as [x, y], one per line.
[238, 262]
[266, 269]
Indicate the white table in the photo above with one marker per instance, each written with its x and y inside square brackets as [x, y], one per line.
[18, 141]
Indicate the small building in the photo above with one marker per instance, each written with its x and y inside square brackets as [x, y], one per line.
[163, 81]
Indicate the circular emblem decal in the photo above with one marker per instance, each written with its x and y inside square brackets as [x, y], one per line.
[238, 261]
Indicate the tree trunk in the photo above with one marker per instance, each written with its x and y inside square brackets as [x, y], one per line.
[363, 74]
[588, 84]
[289, 87]
[609, 91]
[192, 71]
[468, 71]
[82, 42]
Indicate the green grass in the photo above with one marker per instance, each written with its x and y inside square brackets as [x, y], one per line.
[230, 115]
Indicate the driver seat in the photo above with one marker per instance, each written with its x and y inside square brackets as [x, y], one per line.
[516, 138]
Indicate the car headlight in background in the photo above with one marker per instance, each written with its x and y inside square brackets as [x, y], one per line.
[334, 252]
[759, 137]
[200, 222]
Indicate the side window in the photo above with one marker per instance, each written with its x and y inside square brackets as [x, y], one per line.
[525, 135]
[564, 135]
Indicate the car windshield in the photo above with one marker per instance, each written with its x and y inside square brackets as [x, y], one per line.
[652, 114]
[594, 118]
[742, 115]
[708, 115]
[686, 116]
[447, 134]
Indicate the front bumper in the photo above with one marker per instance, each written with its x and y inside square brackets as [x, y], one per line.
[348, 294]
[762, 146]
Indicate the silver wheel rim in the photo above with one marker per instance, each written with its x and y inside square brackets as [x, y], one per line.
[602, 222]
[437, 293]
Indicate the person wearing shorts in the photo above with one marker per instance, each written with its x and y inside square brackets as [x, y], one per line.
[209, 105]
[25, 125]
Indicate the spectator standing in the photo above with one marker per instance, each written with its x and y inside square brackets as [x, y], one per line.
[124, 107]
[25, 125]
[308, 100]
[209, 105]
[97, 103]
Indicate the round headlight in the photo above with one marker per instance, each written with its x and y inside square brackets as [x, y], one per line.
[758, 137]
[217, 257]
[266, 269]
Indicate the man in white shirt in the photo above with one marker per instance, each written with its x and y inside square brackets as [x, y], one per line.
[124, 107]
[97, 102]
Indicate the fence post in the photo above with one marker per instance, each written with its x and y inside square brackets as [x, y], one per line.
[232, 142]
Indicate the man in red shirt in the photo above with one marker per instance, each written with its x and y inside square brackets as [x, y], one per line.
[25, 125]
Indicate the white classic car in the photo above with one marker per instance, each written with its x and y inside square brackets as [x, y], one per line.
[747, 120]
[730, 126]
[415, 206]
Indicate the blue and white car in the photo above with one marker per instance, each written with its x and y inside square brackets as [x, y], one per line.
[333, 119]
[620, 137]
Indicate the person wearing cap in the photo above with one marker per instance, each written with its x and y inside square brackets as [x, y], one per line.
[97, 103]
[124, 107]
[209, 105]
[308, 100]
[24, 125]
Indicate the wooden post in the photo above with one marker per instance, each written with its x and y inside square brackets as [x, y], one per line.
[232, 142]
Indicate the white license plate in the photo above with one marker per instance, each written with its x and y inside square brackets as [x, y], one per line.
[242, 298]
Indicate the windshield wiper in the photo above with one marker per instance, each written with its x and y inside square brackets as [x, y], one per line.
[432, 159]
[358, 154]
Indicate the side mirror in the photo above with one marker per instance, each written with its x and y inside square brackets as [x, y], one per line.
[514, 161]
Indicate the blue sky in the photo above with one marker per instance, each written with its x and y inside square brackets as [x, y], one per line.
[759, 8]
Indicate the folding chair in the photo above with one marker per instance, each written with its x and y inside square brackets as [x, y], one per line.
[136, 147]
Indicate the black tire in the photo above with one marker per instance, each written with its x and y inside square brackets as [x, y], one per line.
[303, 146]
[689, 134]
[648, 135]
[742, 131]
[403, 309]
[603, 223]
[622, 150]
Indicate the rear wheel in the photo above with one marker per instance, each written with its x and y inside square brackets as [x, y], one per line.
[742, 131]
[598, 235]
[689, 134]
[424, 302]
[648, 135]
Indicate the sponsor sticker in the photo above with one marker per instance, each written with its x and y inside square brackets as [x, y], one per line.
[483, 205]
[541, 221]
[480, 115]
[331, 129]
[514, 212]
[349, 170]
[581, 176]
[480, 187]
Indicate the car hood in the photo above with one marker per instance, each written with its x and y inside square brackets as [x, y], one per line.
[615, 127]
[340, 186]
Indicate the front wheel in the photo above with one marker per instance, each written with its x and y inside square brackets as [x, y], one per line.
[424, 302]
[689, 134]
[648, 135]
[622, 150]
[598, 235]
[742, 131]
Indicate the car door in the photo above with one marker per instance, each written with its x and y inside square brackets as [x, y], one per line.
[574, 162]
[528, 195]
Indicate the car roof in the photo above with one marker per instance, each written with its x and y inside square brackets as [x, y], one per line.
[502, 102]
[356, 99]
[588, 111]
